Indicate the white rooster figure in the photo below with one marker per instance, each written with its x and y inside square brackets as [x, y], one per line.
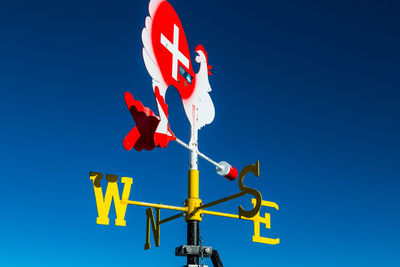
[167, 59]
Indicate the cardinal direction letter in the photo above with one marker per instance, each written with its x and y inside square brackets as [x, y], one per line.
[155, 225]
[255, 169]
[257, 219]
[104, 203]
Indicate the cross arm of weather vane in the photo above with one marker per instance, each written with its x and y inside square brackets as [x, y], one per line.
[243, 214]
[103, 202]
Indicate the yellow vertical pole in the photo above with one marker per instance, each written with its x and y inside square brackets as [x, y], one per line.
[193, 200]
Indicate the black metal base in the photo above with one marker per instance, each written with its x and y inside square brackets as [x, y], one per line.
[193, 251]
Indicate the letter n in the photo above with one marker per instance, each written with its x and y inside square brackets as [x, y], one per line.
[155, 225]
[104, 203]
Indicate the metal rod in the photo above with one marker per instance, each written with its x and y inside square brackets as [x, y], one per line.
[172, 218]
[182, 143]
[216, 260]
[198, 152]
[216, 202]
[208, 159]
[234, 216]
[146, 204]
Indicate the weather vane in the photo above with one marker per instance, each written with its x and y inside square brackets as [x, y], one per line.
[167, 59]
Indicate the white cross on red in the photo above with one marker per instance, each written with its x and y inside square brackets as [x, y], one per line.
[176, 54]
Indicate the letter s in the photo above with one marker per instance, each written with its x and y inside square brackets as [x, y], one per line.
[255, 169]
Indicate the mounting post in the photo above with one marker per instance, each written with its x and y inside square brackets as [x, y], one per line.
[192, 239]
[193, 201]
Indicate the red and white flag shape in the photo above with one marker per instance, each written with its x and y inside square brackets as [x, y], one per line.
[167, 58]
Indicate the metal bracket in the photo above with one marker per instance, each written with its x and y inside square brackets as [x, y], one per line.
[192, 250]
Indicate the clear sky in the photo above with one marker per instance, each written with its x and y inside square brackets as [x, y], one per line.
[308, 88]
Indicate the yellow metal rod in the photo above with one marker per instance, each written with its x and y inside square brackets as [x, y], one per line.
[146, 204]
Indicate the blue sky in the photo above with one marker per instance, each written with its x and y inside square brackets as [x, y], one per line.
[308, 88]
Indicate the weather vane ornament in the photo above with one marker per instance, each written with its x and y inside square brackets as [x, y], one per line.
[167, 59]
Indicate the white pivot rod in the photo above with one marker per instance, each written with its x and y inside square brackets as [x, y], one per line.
[223, 168]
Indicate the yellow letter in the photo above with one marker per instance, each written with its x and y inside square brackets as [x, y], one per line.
[104, 203]
[267, 221]
[155, 224]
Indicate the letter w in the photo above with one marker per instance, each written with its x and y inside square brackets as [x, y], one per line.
[104, 203]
